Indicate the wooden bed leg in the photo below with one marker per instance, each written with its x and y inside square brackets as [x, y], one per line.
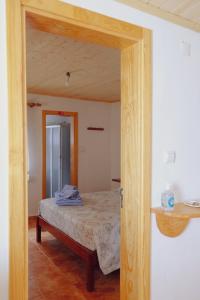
[90, 274]
[38, 231]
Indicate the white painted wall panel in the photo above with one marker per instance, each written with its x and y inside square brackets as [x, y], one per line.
[115, 145]
[175, 264]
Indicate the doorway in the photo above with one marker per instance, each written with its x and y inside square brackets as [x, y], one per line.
[135, 45]
[60, 151]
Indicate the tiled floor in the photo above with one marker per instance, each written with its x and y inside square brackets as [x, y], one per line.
[55, 273]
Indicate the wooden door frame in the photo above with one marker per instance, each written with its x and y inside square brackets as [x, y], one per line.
[136, 74]
[73, 147]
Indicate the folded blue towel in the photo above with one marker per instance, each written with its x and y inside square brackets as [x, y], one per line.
[69, 202]
[68, 196]
[77, 200]
[72, 199]
[72, 204]
[69, 187]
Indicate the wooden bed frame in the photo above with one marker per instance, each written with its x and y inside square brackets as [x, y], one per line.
[89, 256]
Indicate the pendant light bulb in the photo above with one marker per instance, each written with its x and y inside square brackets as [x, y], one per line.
[67, 78]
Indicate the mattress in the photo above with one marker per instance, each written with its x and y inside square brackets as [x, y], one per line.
[94, 225]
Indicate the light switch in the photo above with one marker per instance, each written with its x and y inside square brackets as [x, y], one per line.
[169, 157]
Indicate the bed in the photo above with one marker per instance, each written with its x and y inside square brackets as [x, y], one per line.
[91, 230]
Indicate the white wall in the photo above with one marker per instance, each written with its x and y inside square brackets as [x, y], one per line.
[176, 264]
[4, 225]
[176, 121]
[94, 146]
[115, 145]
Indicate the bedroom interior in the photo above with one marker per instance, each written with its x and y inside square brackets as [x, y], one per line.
[78, 113]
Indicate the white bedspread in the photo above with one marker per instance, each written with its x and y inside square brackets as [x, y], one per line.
[95, 225]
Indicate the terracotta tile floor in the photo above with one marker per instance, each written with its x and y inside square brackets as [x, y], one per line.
[55, 273]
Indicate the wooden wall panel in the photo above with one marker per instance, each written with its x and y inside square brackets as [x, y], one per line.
[135, 170]
[18, 279]
[129, 165]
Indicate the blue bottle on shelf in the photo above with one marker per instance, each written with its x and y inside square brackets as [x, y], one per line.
[168, 198]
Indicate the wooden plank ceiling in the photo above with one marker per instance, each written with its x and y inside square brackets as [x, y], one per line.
[188, 9]
[94, 69]
[182, 12]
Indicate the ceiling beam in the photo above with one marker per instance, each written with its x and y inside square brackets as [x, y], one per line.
[62, 28]
[93, 21]
[158, 12]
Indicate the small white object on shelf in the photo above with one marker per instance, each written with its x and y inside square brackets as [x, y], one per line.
[193, 203]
